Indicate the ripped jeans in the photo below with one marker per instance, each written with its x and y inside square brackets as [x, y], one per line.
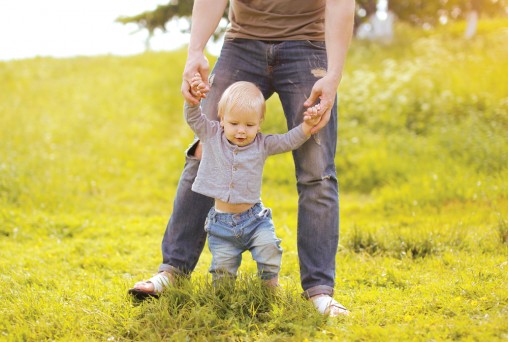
[290, 69]
[229, 235]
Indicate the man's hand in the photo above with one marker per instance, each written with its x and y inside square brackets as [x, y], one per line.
[325, 89]
[196, 64]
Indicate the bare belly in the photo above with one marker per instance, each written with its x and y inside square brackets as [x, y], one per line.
[232, 208]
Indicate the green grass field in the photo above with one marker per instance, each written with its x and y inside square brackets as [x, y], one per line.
[91, 150]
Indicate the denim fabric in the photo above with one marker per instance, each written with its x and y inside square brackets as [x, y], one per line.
[290, 69]
[229, 235]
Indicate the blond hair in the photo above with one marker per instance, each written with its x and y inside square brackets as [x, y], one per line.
[242, 96]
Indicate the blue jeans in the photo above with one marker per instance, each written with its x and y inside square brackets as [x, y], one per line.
[290, 69]
[229, 235]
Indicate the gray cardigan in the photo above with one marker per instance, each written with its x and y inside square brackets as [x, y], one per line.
[232, 173]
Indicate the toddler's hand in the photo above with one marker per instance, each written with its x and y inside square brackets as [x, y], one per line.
[198, 87]
[312, 116]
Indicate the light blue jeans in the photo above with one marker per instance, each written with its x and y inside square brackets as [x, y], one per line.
[290, 69]
[229, 235]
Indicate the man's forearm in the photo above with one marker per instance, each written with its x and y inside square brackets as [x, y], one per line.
[206, 15]
[339, 19]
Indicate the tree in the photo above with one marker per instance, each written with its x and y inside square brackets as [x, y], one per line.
[159, 17]
[428, 14]
[422, 13]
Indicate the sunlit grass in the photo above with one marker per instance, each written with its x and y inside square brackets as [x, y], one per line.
[91, 150]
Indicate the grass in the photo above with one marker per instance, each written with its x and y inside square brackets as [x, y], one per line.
[92, 148]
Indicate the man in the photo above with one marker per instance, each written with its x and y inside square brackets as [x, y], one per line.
[296, 48]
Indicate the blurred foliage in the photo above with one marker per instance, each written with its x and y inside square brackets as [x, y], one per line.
[162, 14]
[158, 18]
[430, 12]
[416, 111]
[419, 12]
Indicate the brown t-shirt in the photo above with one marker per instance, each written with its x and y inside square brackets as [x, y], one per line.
[277, 19]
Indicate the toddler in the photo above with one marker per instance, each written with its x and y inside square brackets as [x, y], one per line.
[233, 156]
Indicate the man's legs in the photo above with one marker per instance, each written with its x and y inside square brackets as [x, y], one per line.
[300, 65]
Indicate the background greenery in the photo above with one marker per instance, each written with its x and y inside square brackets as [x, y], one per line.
[91, 150]
[417, 13]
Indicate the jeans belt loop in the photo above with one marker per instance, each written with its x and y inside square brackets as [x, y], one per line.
[264, 212]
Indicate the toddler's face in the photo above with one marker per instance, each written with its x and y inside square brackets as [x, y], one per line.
[241, 127]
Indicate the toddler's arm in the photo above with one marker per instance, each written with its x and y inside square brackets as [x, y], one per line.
[291, 140]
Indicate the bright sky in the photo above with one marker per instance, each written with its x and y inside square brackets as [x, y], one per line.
[64, 28]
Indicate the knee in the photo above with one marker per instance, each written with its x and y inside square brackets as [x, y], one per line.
[318, 189]
[316, 178]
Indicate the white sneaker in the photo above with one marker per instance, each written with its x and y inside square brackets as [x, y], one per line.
[158, 282]
[326, 305]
